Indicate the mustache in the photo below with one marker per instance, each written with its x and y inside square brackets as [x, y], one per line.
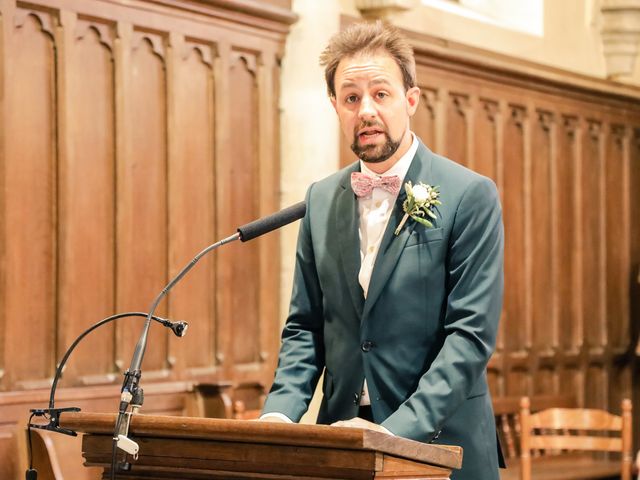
[369, 124]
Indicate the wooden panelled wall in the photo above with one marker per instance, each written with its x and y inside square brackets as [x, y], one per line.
[564, 151]
[134, 134]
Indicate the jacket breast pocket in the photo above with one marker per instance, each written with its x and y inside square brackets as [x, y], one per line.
[425, 234]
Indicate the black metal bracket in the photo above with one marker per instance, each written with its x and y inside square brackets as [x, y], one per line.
[53, 414]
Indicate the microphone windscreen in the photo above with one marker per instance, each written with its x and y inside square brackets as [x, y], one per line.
[272, 222]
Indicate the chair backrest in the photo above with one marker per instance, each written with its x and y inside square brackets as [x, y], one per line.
[507, 415]
[59, 457]
[223, 400]
[248, 401]
[558, 430]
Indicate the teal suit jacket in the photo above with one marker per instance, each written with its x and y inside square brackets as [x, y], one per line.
[424, 334]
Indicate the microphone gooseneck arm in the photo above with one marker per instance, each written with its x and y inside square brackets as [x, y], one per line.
[131, 393]
[132, 376]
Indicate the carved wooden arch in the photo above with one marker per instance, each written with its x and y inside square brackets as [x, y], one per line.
[430, 98]
[44, 19]
[155, 40]
[207, 52]
[491, 108]
[546, 119]
[250, 60]
[104, 32]
[518, 114]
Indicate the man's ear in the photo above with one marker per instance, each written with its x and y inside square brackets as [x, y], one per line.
[333, 102]
[413, 98]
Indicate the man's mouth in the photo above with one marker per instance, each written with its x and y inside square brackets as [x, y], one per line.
[368, 135]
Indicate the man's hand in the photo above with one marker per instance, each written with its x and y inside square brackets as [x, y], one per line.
[272, 419]
[358, 422]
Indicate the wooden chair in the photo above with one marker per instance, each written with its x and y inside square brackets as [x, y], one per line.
[224, 400]
[507, 416]
[554, 434]
[248, 401]
[55, 456]
[240, 411]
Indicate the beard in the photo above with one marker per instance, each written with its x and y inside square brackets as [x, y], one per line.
[374, 153]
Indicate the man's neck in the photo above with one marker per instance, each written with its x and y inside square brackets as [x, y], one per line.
[382, 167]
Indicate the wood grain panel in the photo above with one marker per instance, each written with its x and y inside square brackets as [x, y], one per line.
[87, 201]
[544, 380]
[118, 135]
[571, 382]
[142, 198]
[268, 246]
[566, 206]
[542, 286]
[514, 215]
[423, 122]
[243, 173]
[8, 450]
[486, 137]
[30, 203]
[633, 280]
[616, 231]
[192, 213]
[457, 131]
[592, 241]
[596, 387]
[6, 30]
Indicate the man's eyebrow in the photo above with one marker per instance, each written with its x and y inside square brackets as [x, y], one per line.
[348, 84]
[376, 81]
[379, 81]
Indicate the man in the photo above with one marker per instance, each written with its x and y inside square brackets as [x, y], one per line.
[401, 314]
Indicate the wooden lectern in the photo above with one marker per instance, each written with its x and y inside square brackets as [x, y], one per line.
[209, 448]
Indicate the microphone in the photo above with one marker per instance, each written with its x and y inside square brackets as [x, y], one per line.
[272, 222]
[179, 328]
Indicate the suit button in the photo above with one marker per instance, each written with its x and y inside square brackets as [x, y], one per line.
[366, 346]
[356, 399]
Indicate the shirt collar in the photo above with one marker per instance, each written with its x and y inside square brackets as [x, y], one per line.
[401, 167]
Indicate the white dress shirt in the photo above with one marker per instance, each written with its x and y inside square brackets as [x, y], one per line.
[375, 211]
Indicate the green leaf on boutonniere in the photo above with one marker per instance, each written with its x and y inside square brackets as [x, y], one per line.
[420, 201]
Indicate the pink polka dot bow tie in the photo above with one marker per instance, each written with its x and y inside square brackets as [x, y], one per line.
[363, 184]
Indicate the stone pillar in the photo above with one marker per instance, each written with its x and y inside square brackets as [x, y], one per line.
[620, 35]
[310, 134]
[383, 9]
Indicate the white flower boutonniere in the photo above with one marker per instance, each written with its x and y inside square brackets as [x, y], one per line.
[419, 204]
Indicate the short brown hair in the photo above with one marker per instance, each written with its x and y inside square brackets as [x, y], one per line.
[368, 38]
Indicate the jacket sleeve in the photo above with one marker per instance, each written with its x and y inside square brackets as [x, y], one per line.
[301, 358]
[474, 289]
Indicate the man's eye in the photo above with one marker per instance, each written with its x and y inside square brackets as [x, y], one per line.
[352, 99]
[381, 95]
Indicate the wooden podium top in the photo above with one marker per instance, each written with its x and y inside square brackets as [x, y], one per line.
[255, 435]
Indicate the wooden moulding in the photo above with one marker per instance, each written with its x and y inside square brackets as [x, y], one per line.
[263, 9]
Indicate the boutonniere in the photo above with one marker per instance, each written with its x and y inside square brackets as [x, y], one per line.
[421, 199]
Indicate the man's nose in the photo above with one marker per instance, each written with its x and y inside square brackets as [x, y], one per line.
[367, 108]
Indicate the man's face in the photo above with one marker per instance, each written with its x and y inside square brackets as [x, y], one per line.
[373, 107]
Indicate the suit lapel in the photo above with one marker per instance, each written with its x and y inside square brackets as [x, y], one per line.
[347, 223]
[391, 246]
